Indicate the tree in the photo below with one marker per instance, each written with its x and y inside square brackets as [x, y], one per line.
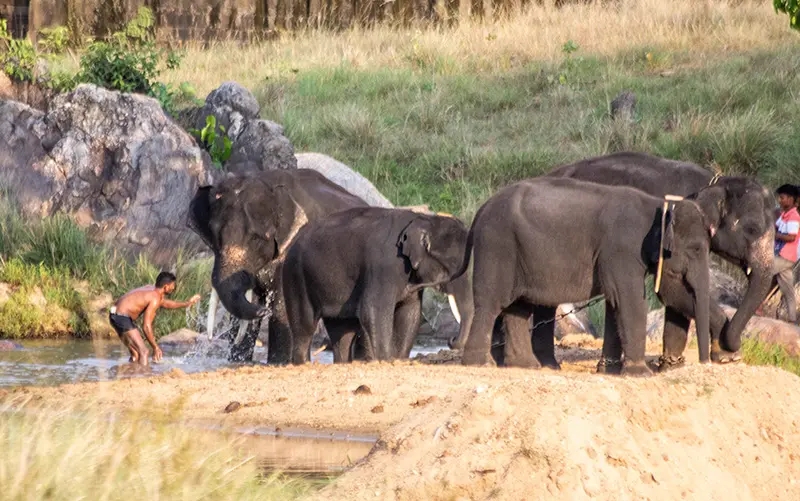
[791, 7]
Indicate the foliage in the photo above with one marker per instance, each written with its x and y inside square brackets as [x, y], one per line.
[791, 7]
[18, 55]
[218, 147]
[58, 453]
[54, 40]
[54, 253]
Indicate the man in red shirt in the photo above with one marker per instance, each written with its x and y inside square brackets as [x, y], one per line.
[786, 246]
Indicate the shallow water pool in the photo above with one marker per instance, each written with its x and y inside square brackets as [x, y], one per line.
[53, 362]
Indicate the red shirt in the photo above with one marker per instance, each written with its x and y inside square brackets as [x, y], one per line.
[788, 224]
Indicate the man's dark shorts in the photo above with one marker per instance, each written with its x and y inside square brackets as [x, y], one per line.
[121, 323]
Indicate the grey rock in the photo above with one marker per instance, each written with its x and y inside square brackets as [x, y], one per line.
[180, 336]
[232, 105]
[261, 146]
[344, 176]
[113, 161]
[623, 106]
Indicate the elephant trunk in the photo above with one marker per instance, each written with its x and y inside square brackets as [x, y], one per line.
[232, 287]
[700, 284]
[760, 279]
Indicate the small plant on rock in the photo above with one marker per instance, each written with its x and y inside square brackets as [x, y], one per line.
[218, 147]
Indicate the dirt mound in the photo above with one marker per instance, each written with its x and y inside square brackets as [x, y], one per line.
[699, 433]
[449, 432]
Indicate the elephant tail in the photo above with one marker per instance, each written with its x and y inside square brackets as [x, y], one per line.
[467, 250]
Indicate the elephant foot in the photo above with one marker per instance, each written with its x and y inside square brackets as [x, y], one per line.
[529, 362]
[550, 364]
[666, 363]
[636, 369]
[481, 358]
[721, 356]
[609, 366]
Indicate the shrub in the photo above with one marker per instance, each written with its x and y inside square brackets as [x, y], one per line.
[218, 146]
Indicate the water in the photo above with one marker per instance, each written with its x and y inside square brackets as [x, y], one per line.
[54, 362]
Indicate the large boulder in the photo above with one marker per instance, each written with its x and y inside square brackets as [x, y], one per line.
[232, 105]
[114, 161]
[344, 176]
[261, 146]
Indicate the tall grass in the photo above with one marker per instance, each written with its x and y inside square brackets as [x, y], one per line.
[67, 454]
[53, 255]
[758, 353]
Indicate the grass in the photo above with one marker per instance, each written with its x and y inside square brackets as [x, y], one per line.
[52, 256]
[758, 353]
[64, 454]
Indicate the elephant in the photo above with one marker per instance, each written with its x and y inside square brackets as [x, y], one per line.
[741, 212]
[249, 220]
[547, 241]
[362, 272]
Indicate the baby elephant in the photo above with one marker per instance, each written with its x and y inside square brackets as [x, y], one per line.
[363, 270]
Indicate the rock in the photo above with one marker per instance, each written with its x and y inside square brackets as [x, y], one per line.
[261, 146]
[114, 161]
[623, 106]
[180, 336]
[176, 373]
[362, 390]
[344, 176]
[232, 105]
[232, 407]
[5, 293]
[655, 325]
[579, 341]
[726, 289]
[771, 331]
[377, 409]
[9, 345]
[96, 310]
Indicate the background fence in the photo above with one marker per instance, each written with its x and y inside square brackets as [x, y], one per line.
[244, 19]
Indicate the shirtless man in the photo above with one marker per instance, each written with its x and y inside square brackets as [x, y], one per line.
[147, 299]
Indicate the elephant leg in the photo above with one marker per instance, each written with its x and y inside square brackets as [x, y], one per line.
[477, 350]
[611, 361]
[498, 342]
[407, 317]
[518, 348]
[242, 349]
[719, 325]
[377, 324]
[631, 309]
[676, 334]
[279, 337]
[342, 333]
[543, 336]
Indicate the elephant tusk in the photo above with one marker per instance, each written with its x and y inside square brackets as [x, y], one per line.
[454, 307]
[749, 270]
[244, 325]
[212, 313]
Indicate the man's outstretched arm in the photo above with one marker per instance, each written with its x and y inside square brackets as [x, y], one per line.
[180, 304]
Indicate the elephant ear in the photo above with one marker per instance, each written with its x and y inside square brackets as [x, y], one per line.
[200, 214]
[415, 243]
[655, 240]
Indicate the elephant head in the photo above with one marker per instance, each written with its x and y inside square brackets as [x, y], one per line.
[247, 222]
[683, 249]
[741, 214]
[434, 249]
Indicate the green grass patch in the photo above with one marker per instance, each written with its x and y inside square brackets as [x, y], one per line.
[52, 256]
[450, 138]
[756, 352]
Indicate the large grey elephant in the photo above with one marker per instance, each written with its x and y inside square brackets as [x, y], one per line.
[543, 242]
[741, 211]
[249, 220]
[363, 270]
